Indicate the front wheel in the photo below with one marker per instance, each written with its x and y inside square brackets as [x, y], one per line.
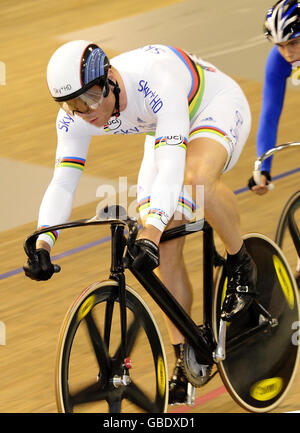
[91, 375]
[261, 354]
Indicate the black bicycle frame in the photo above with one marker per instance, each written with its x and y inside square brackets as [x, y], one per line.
[202, 341]
[161, 295]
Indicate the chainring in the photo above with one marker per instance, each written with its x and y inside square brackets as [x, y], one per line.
[197, 374]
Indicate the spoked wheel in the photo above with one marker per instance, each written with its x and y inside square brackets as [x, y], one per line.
[288, 233]
[261, 351]
[91, 375]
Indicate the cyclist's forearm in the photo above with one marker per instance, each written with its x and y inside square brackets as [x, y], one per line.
[166, 186]
[266, 139]
[57, 202]
[276, 73]
[43, 244]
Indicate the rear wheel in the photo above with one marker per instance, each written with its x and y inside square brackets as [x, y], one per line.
[261, 355]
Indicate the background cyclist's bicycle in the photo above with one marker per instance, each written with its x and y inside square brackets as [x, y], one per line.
[287, 234]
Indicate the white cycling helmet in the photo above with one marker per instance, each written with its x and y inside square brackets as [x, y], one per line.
[283, 21]
[74, 68]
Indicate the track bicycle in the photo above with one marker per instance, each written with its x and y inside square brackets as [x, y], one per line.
[111, 357]
[287, 234]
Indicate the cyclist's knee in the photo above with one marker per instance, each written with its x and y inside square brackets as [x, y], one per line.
[201, 176]
[172, 250]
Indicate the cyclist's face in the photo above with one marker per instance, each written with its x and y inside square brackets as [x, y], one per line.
[92, 106]
[290, 50]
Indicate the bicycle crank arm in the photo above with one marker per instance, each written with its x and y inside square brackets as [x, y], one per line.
[220, 353]
[191, 394]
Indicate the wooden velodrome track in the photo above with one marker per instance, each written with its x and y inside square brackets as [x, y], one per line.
[31, 313]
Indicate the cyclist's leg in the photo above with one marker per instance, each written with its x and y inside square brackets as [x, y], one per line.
[172, 269]
[215, 145]
[205, 162]
[172, 272]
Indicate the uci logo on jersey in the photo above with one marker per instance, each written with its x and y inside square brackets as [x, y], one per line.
[174, 140]
[112, 124]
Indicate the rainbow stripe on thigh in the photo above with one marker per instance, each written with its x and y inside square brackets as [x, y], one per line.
[215, 134]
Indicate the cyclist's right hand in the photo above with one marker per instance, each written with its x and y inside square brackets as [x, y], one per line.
[39, 267]
[145, 254]
[262, 188]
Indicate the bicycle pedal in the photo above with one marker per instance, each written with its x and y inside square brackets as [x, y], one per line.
[190, 397]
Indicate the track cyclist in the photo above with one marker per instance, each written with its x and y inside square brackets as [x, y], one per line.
[282, 28]
[196, 120]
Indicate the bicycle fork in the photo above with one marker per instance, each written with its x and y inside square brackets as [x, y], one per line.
[117, 274]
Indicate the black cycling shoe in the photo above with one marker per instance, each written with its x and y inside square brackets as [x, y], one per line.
[178, 385]
[241, 287]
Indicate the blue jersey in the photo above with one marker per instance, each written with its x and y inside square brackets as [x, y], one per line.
[277, 71]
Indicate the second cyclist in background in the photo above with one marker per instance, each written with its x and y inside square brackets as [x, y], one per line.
[282, 28]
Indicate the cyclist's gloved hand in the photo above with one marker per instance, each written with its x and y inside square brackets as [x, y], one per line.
[39, 266]
[146, 254]
[256, 188]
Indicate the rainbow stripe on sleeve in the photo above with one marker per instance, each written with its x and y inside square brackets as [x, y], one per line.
[144, 203]
[186, 204]
[72, 162]
[162, 141]
[53, 234]
[156, 213]
[197, 76]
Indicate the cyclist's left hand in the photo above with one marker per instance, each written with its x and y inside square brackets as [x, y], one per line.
[39, 267]
[262, 188]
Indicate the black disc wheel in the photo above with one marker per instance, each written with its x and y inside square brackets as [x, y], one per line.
[92, 375]
[262, 344]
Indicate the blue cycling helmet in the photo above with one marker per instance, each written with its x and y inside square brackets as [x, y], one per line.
[283, 21]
